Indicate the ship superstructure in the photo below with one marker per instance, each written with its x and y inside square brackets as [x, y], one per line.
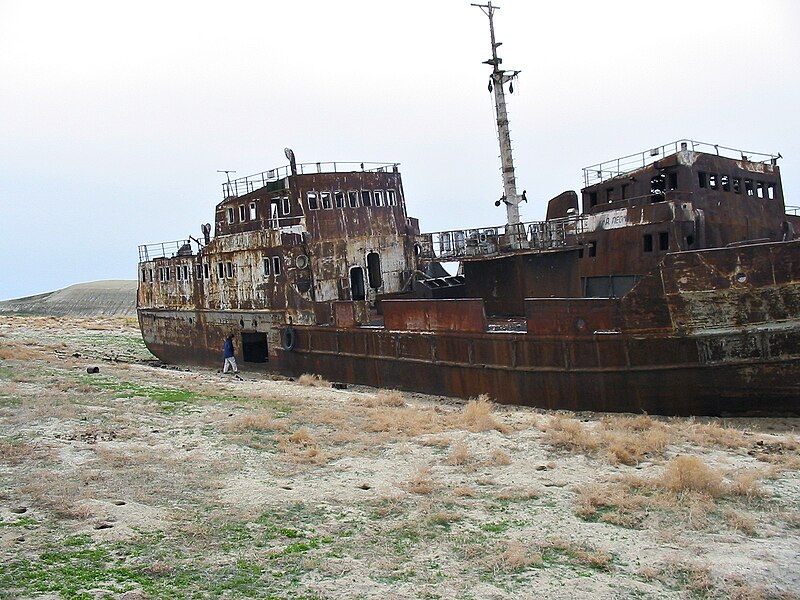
[670, 285]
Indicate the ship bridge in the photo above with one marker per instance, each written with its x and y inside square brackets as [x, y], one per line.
[623, 165]
[265, 179]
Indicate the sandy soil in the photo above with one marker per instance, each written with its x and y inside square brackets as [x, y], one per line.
[148, 482]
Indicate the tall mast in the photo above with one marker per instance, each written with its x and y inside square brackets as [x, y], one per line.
[498, 80]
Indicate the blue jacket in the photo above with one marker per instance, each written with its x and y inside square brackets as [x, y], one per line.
[228, 349]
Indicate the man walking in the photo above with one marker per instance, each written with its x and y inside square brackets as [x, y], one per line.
[227, 353]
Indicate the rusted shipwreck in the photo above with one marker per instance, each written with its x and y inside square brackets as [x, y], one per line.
[674, 288]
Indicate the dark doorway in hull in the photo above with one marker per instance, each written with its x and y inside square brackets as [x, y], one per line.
[357, 291]
[254, 347]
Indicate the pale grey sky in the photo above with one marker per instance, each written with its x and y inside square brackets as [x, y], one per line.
[116, 115]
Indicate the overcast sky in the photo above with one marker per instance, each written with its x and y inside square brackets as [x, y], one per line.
[116, 116]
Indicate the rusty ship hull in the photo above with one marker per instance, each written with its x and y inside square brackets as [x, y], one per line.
[573, 379]
[712, 332]
[672, 286]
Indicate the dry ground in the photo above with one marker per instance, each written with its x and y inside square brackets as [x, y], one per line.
[144, 482]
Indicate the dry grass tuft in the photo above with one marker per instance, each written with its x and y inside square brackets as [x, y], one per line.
[302, 437]
[478, 416]
[618, 439]
[686, 493]
[740, 521]
[302, 447]
[14, 453]
[637, 423]
[516, 494]
[689, 473]
[571, 434]
[460, 454]
[17, 351]
[159, 568]
[311, 455]
[421, 482]
[516, 556]
[714, 434]
[407, 420]
[741, 590]
[437, 441]
[629, 447]
[465, 492]
[74, 386]
[255, 422]
[389, 398]
[613, 504]
[63, 496]
[595, 558]
[499, 458]
[683, 575]
[312, 380]
[444, 518]
[748, 484]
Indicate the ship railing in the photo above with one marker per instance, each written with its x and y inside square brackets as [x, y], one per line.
[148, 252]
[250, 183]
[458, 244]
[625, 164]
[792, 210]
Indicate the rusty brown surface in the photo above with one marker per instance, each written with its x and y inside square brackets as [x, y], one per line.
[504, 283]
[746, 360]
[695, 331]
[315, 250]
[572, 317]
[690, 216]
[604, 372]
[466, 315]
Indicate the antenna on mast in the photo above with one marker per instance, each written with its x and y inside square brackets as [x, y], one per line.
[497, 81]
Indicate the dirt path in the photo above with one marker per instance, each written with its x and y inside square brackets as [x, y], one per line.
[144, 482]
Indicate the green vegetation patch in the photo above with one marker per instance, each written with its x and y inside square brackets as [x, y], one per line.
[498, 527]
[9, 401]
[127, 345]
[168, 398]
[80, 569]
[26, 522]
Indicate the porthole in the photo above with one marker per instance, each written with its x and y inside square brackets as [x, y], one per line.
[301, 262]
[741, 277]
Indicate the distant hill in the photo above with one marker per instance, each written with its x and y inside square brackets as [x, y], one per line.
[97, 298]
